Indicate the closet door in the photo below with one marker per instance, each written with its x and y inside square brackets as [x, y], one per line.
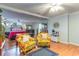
[74, 28]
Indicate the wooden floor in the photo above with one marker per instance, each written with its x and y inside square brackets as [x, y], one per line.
[60, 48]
[65, 49]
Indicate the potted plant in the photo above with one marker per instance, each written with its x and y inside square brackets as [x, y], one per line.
[2, 37]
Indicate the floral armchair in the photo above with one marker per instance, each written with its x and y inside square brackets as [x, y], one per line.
[43, 39]
[25, 42]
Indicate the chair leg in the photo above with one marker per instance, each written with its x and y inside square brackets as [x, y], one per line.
[24, 53]
[49, 46]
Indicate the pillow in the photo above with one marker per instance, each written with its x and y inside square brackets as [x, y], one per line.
[44, 36]
[26, 38]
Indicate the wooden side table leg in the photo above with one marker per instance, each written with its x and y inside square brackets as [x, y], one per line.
[0, 52]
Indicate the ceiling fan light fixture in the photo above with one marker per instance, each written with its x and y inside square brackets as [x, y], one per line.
[57, 8]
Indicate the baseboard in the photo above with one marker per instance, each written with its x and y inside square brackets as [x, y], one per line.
[74, 44]
[70, 43]
[61, 42]
[64, 42]
[67, 43]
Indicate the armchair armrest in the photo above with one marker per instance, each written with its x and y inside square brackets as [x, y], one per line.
[32, 39]
[39, 38]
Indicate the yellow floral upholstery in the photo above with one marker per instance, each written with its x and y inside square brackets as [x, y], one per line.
[25, 45]
[43, 39]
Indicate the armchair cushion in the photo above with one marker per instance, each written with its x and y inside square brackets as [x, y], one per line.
[26, 38]
[44, 36]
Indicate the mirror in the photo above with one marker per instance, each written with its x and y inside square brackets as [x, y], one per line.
[56, 25]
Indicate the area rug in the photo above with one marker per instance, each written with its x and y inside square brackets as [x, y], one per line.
[43, 52]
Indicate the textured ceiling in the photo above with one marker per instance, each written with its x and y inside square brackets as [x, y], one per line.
[44, 9]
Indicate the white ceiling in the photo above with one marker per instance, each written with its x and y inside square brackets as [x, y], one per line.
[41, 9]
